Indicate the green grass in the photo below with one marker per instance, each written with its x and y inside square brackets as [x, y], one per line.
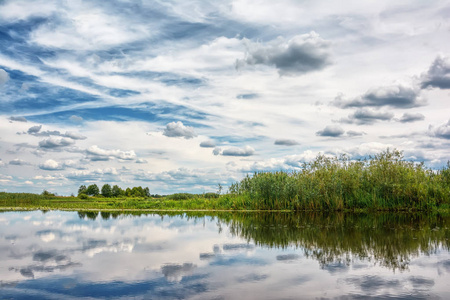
[384, 182]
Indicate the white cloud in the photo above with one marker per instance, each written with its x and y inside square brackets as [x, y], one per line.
[177, 129]
[96, 153]
[235, 151]
[51, 165]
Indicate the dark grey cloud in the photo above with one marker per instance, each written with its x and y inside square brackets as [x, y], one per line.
[34, 129]
[234, 151]
[331, 131]
[285, 142]
[18, 162]
[207, 144]
[438, 74]
[177, 129]
[54, 143]
[411, 117]
[367, 116]
[18, 119]
[442, 131]
[301, 54]
[4, 77]
[396, 96]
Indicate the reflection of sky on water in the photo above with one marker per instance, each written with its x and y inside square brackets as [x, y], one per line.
[58, 255]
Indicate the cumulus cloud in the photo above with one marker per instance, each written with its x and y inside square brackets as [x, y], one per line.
[34, 129]
[96, 153]
[207, 144]
[438, 74]
[367, 116]
[51, 165]
[141, 161]
[55, 143]
[442, 131]
[285, 142]
[234, 151]
[18, 119]
[177, 129]
[411, 117]
[301, 54]
[74, 135]
[4, 77]
[331, 131]
[18, 162]
[396, 96]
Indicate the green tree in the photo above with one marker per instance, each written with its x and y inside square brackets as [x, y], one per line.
[106, 190]
[82, 190]
[117, 191]
[92, 190]
[147, 192]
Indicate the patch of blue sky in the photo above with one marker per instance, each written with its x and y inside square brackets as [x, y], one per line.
[41, 97]
[235, 139]
[14, 41]
[153, 114]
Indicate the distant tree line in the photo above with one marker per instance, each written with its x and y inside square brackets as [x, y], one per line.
[114, 191]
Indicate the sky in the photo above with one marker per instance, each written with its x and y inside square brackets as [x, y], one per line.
[180, 96]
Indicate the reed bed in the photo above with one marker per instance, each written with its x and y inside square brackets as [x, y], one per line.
[383, 182]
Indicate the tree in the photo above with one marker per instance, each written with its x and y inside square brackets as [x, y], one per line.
[82, 190]
[117, 191]
[92, 190]
[147, 192]
[106, 190]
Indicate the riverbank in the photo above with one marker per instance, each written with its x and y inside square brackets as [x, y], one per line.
[27, 202]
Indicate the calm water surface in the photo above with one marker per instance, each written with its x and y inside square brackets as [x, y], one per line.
[69, 255]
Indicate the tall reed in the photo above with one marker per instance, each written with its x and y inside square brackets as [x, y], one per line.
[383, 182]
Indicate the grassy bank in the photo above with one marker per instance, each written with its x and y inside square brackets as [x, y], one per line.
[384, 182]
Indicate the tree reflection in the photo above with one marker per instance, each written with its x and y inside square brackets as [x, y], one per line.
[386, 239]
[389, 240]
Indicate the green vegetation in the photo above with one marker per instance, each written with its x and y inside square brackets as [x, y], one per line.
[115, 191]
[383, 182]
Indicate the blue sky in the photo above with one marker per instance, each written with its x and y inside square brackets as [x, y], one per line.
[183, 95]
